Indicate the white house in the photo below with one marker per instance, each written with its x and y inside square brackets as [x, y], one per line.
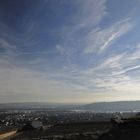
[37, 124]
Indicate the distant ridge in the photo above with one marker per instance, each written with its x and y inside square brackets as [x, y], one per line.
[113, 106]
[97, 107]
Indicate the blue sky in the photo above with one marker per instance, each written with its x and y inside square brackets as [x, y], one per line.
[74, 51]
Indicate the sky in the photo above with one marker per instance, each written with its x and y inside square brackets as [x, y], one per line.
[69, 51]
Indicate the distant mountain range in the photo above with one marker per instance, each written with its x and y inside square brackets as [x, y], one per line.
[97, 107]
[113, 106]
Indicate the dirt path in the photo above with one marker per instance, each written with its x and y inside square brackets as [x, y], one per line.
[6, 135]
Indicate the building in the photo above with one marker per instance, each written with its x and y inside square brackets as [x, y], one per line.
[36, 124]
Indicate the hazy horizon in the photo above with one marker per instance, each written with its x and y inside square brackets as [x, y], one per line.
[70, 103]
[78, 51]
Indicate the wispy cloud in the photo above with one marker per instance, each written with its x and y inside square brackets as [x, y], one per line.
[127, 70]
[88, 15]
[63, 49]
[103, 38]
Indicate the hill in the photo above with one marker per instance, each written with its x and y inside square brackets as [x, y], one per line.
[113, 106]
[97, 107]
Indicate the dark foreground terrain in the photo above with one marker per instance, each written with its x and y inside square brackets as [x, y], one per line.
[66, 131]
[120, 130]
